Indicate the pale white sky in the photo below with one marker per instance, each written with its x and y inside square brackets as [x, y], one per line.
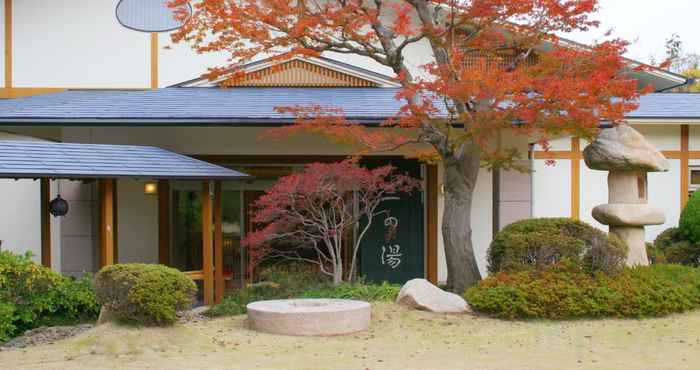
[647, 24]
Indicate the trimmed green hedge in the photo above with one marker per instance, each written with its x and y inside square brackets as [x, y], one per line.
[672, 247]
[566, 291]
[689, 223]
[32, 295]
[144, 293]
[541, 242]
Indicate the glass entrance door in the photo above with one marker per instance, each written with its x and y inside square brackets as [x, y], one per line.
[186, 237]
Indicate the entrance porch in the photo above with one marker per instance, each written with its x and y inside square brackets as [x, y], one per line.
[89, 163]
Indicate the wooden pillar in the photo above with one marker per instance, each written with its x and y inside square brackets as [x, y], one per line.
[685, 163]
[218, 245]
[207, 245]
[8, 47]
[154, 60]
[45, 222]
[576, 178]
[164, 222]
[106, 222]
[431, 192]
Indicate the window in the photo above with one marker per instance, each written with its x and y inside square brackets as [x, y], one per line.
[148, 15]
[694, 178]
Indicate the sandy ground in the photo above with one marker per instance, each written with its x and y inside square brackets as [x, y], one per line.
[398, 339]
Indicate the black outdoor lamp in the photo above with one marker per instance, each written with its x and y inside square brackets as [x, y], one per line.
[58, 206]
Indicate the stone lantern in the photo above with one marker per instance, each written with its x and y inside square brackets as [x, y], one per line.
[628, 157]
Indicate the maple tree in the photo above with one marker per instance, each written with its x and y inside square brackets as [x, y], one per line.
[495, 66]
[318, 209]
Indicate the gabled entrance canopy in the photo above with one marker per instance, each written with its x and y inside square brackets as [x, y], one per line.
[50, 160]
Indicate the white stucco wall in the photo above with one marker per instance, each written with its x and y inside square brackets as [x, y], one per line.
[551, 184]
[80, 38]
[138, 222]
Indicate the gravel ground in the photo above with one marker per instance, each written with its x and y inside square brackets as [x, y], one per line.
[45, 335]
[398, 339]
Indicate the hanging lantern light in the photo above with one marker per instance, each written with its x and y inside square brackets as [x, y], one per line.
[58, 206]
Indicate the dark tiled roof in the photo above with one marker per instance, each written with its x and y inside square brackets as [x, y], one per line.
[235, 106]
[34, 159]
[248, 106]
[668, 106]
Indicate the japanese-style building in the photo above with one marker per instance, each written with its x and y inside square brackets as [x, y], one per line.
[74, 73]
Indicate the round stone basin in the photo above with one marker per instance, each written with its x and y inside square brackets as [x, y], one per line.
[309, 317]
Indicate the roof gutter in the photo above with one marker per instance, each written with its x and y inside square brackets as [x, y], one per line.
[688, 81]
[164, 122]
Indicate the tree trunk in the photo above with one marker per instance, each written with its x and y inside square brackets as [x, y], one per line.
[338, 273]
[461, 172]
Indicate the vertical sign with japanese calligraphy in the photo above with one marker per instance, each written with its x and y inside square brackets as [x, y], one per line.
[393, 249]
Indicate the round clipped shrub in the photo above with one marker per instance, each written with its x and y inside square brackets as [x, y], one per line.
[144, 294]
[689, 223]
[538, 243]
[671, 246]
[567, 291]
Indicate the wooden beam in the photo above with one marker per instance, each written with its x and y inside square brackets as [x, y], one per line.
[554, 154]
[207, 246]
[685, 171]
[154, 60]
[106, 222]
[164, 222]
[45, 222]
[672, 154]
[8, 44]
[575, 178]
[218, 245]
[431, 192]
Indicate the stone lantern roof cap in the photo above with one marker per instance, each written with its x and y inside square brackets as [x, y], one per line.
[622, 148]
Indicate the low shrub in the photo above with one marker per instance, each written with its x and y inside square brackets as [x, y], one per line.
[671, 246]
[565, 291]
[538, 243]
[144, 294]
[689, 223]
[384, 292]
[32, 295]
[299, 281]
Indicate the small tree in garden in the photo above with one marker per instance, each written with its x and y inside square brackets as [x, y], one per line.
[314, 213]
[483, 67]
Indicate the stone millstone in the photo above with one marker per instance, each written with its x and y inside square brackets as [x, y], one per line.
[622, 148]
[422, 295]
[309, 317]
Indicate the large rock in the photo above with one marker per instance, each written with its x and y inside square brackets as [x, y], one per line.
[622, 148]
[421, 294]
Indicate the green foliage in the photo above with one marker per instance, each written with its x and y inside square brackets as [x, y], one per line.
[144, 294]
[384, 292]
[672, 246]
[32, 295]
[298, 281]
[565, 291]
[689, 223]
[538, 243]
